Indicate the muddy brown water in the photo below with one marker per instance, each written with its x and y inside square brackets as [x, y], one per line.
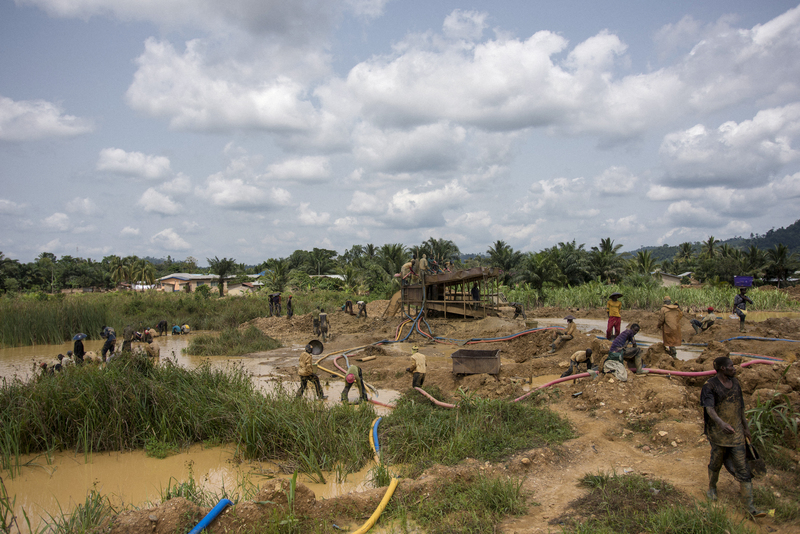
[48, 485]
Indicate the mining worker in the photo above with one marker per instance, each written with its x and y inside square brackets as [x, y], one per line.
[176, 330]
[725, 425]
[147, 335]
[578, 357]
[519, 309]
[289, 308]
[185, 329]
[161, 327]
[348, 307]
[740, 306]
[669, 321]
[306, 371]
[110, 336]
[78, 350]
[706, 323]
[315, 321]
[152, 348]
[419, 365]
[127, 338]
[354, 374]
[613, 307]
[559, 338]
[323, 324]
[619, 352]
[362, 308]
[407, 270]
[277, 300]
[476, 296]
[423, 264]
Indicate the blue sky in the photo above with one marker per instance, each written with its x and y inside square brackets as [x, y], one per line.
[249, 129]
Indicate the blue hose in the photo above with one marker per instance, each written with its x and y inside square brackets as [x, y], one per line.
[761, 339]
[375, 435]
[211, 516]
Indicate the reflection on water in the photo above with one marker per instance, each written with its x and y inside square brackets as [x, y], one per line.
[46, 486]
[757, 316]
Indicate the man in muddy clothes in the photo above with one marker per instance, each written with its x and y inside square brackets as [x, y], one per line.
[560, 338]
[619, 352]
[323, 324]
[127, 338]
[110, 336]
[706, 323]
[315, 321]
[362, 308]
[307, 374]
[419, 366]
[740, 306]
[406, 271]
[161, 328]
[289, 308]
[669, 322]
[348, 307]
[519, 309]
[725, 425]
[354, 374]
[578, 357]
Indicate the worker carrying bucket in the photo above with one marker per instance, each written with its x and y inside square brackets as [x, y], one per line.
[306, 369]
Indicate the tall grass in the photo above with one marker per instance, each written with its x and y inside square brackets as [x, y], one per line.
[232, 342]
[595, 295]
[419, 434]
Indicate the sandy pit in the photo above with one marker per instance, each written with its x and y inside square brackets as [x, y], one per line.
[603, 411]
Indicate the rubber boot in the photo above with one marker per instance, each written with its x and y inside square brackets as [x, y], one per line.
[696, 329]
[741, 327]
[713, 477]
[638, 361]
[747, 496]
[552, 348]
[568, 372]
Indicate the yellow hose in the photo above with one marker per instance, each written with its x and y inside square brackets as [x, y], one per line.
[329, 371]
[379, 510]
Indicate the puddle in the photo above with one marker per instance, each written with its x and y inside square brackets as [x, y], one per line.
[758, 316]
[44, 488]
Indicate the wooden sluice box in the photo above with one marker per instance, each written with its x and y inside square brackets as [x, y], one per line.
[473, 362]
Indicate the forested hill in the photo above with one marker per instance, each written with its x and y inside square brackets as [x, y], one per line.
[789, 236]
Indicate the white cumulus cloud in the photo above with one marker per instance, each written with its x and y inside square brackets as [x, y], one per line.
[30, 120]
[169, 239]
[154, 202]
[118, 161]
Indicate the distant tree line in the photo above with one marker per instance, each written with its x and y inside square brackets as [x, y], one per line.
[371, 268]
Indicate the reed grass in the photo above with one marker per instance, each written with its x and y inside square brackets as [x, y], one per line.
[419, 434]
[232, 342]
[595, 295]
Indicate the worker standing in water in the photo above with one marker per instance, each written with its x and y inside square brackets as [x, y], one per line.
[306, 371]
[419, 366]
[354, 375]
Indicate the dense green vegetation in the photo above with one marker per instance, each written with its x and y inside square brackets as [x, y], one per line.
[232, 342]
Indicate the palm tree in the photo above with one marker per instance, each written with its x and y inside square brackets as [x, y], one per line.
[320, 261]
[755, 260]
[391, 257]
[442, 250]
[605, 263]
[370, 250]
[222, 268]
[503, 256]
[781, 263]
[120, 272]
[276, 274]
[644, 263]
[685, 251]
[607, 246]
[709, 250]
[539, 269]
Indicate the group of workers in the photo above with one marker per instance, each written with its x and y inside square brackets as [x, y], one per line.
[362, 308]
[415, 269]
[354, 375]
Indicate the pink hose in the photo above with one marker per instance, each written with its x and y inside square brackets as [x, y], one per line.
[433, 400]
[650, 371]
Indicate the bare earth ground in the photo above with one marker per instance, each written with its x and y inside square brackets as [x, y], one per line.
[673, 450]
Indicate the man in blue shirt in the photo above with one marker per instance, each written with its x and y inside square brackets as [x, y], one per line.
[619, 352]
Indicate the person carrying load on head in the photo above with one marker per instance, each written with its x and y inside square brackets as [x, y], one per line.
[613, 307]
[620, 351]
[740, 306]
[306, 371]
[354, 375]
[559, 338]
[669, 322]
[706, 323]
[419, 366]
[725, 426]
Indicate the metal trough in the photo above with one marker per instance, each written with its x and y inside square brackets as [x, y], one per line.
[472, 362]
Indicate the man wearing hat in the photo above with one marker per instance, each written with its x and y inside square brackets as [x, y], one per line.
[306, 372]
[613, 307]
[418, 367]
[706, 323]
[562, 337]
[669, 321]
[354, 375]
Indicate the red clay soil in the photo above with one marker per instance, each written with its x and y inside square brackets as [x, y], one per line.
[672, 448]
